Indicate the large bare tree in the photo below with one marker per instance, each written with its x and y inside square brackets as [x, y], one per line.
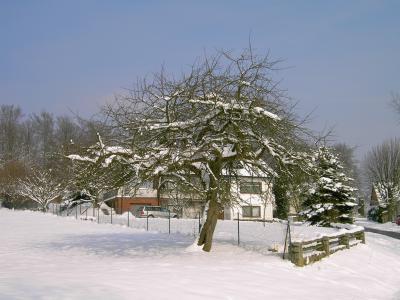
[227, 114]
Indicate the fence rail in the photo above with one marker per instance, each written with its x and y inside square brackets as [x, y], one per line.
[305, 252]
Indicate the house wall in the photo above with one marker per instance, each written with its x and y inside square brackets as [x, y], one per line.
[231, 213]
[124, 204]
[264, 201]
[148, 196]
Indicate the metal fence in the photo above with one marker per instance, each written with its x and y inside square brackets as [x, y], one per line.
[252, 235]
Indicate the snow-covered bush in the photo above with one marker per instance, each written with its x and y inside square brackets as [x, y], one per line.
[379, 213]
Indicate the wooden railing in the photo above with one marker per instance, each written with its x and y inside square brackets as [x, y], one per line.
[305, 252]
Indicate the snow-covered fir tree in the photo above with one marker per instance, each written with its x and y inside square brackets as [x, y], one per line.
[330, 197]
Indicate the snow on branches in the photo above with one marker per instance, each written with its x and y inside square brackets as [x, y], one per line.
[227, 114]
[40, 187]
[329, 199]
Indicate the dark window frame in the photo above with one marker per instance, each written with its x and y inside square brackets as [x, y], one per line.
[251, 214]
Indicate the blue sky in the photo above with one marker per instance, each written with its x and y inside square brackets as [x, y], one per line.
[341, 58]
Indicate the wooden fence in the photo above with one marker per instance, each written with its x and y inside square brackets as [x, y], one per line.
[306, 252]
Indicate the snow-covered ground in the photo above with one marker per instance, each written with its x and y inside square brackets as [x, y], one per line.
[389, 226]
[253, 235]
[43, 256]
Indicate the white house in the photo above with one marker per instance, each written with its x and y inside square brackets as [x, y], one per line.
[253, 199]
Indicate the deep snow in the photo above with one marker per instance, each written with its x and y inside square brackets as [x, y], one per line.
[43, 256]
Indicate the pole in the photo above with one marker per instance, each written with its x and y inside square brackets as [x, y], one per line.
[286, 238]
[76, 212]
[238, 230]
[147, 221]
[111, 212]
[169, 221]
[199, 222]
[98, 215]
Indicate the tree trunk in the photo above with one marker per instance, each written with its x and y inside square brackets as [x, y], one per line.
[208, 228]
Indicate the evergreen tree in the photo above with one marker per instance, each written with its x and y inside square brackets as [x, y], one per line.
[330, 199]
[279, 190]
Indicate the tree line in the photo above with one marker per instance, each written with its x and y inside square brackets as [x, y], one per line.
[37, 144]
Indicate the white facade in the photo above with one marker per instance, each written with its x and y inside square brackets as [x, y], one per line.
[255, 200]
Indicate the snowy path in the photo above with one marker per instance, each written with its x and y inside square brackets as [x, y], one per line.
[48, 257]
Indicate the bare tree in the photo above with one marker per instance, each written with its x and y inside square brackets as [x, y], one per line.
[40, 187]
[226, 115]
[382, 165]
[10, 118]
[395, 102]
[10, 173]
[43, 125]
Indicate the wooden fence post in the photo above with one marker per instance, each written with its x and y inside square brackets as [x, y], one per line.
[296, 254]
[345, 240]
[325, 243]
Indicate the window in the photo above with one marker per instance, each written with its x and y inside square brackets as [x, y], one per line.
[251, 211]
[250, 187]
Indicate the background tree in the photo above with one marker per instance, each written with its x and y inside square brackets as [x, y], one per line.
[330, 198]
[290, 184]
[350, 165]
[345, 154]
[395, 102]
[40, 187]
[382, 165]
[282, 203]
[44, 137]
[10, 122]
[10, 173]
[39, 139]
[226, 115]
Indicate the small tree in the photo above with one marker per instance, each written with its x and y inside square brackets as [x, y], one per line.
[329, 199]
[40, 187]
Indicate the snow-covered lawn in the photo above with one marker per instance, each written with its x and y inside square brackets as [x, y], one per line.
[389, 226]
[43, 256]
